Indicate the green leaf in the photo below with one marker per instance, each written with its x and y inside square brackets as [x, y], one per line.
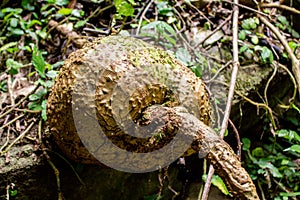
[295, 107]
[254, 39]
[166, 27]
[246, 144]
[38, 62]
[258, 152]
[218, 182]
[34, 97]
[243, 48]
[13, 193]
[38, 95]
[14, 22]
[48, 84]
[283, 20]
[12, 10]
[165, 9]
[250, 23]
[268, 165]
[13, 66]
[33, 22]
[197, 70]
[57, 64]
[80, 23]
[284, 162]
[34, 106]
[124, 8]
[293, 45]
[290, 194]
[294, 148]
[7, 46]
[295, 34]
[226, 133]
[26, 5]
[41, 33]
[267, 55]
[184, 56]
[51, 74]
[16, 31]
[288, 134]
[77, 13]
[151, 25]
[58, 2]
[242, 35]
[44, 109]
[65, 11]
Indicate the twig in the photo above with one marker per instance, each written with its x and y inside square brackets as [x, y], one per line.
[56, 171]
[182, 20]
[237, 135]
[282, 7]
[10, 90]
[210, 174]
[7, 191]
[238, 140]
[261, 191]
[284, 188]
[213, 32]
[17, 139]
[73, 169]
[295, 61]
[99, 11]
[268, 83]
[142, 17]
[293, 80]
[55, 25]
[235, 16]
[19, 103]
[219, 70]
[201, 13]
[7, 140]
[27, 110]
[263, 105]
[12, 121]
[245, 7]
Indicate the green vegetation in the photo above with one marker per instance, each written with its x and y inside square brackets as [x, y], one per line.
[275, 165]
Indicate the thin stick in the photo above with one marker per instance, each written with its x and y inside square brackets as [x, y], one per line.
[295, 61]
[282, 7]
[213, 32]
[245, 7]
[7, 140]
[19, 103]
[235, 16]
[268, 83]
[142, 17]
[12, 121]
[10, 90]
[56, 171]
[218, 72]
[17, 139]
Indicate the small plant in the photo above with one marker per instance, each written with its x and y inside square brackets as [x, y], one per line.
[251, 39]
[274, 165]
[46, 80]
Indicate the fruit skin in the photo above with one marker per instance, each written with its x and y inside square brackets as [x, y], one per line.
[101, 64]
